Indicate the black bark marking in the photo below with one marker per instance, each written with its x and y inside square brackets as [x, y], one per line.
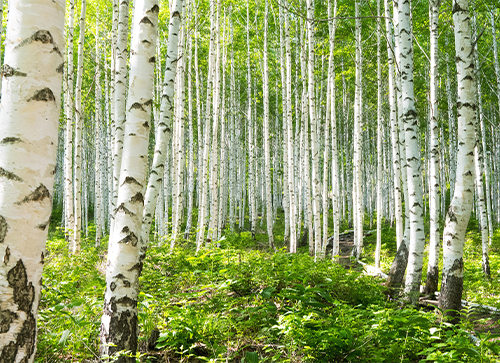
[120, 277]
[9, 71]
[145, 124]
[43, 95]
[137, 266]
[137, 198]
[130, 180]
[155, 9]
[126, 283]
[450, 299]
[10, 140]
[122, 208]
[130, 238]
[26, 336]
[146, 20]
[9, 175]
[9, 353]
[6, 318]
[122, 327]
[112, 286]
[44, 225]
[42, 259]
[24, 292]
[148, 103]
[6, 256]
[136, 106]
[4, 227]
[38, 195]
[396, 274]
[42, 36]
[60, 68]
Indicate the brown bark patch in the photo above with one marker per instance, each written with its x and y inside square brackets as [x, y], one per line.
[9, 71]
[43, 95]
[6, 256]
[6, 318]
[4, 227]
[9, 353]
[24, 292]
[450, 299]
[38, 195]
[432, 281]
[9, 175]
[10, 140]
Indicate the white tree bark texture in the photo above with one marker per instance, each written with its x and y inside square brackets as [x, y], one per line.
[431, 285]
[460, 208]
[119, 324]
[164, 130]
[29, 120]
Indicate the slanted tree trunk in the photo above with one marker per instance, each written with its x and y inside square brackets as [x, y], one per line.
[459, 211]
[29, 120]
[119, 324]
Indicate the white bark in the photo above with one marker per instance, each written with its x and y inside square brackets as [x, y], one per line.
[267, 151]
[459, 211]
[119, 323]
[29, 120]
[415, 190]
[434, 204]
[68, 138]
[314, 136]
[120, 89]
[165, 124]
[98, 211]
[379, 145]
[75, 242]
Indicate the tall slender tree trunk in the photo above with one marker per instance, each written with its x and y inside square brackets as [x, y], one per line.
[434, 205]
[358, 138]
[415, 190]
[379, 145]
[457, 218]
[164, 125]
[119, 324]
[29, 120]
[68, 137]
[75, 242]
[120, 91]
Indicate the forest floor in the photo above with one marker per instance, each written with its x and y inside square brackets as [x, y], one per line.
[236, 301]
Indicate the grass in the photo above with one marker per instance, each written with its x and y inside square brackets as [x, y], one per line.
[236, 301]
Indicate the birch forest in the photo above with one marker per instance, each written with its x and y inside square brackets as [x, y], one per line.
[249, 181]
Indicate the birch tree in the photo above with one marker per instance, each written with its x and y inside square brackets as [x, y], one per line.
[75, 242]
[459, 211]
[29, 119]
[434, 245]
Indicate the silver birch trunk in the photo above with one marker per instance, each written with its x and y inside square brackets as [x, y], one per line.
[75, 242]
[314, 136]
[267, 151]
[459, 211]
[434, 204]
[379, 145]
[68, 138]
[164, 125]
[120, 94]
[29, 120]
[119, 324]
[357, 140]
[415, 190]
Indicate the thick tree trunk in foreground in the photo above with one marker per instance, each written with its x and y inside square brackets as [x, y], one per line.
[29, 119]
[459, 211]
[119, 323]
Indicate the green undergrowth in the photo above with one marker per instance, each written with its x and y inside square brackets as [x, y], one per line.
[236, 301]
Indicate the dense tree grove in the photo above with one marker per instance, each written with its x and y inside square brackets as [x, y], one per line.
[186, 121]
